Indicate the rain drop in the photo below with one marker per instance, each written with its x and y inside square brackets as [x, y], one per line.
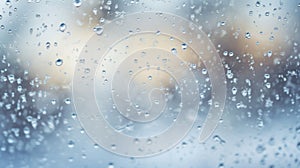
[77, 3]
[98, 30]
[248, 35]
[110, 165]
[68, 101]
[257, 4]
[174, 51]
[48, 44]
[184, 46]
[59, 62]
[260, 149]
[102, 20]
[71, 144]
[62, 27]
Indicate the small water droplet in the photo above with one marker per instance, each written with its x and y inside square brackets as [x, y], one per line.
[26, 130]
[59, 62]
[150, 77]
[96, 146]
[269, 54]
[48, 44]
[267, 13]
[110, 165]
[218, 139]
[248, 35]
[174, 51]
[260, 149]
[71, 144]
[74, 115]
[257, 4]
[149, 141]
[184, 46]
[101, 20]
[77, 3]
[113, 146]
[62, 27]
[221, 165]
[98, 30]
[298, 130]
[298, 145]
[68, 101]
[87, 70]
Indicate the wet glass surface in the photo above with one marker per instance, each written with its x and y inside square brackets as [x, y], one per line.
[72, 70]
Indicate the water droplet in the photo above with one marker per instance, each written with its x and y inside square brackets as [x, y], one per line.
[267, 76]
[150, 77]
[231, 54]
[48, 44]
[257, 4]
[174, 51]
[271, 141]
[101, 20]
[98, 30]
[62, 27]
[71, 144]
[59, 62]
[77, 3]
[221, 165]
[96, 146]
[113, 146]
[267, 13]
[247, 35]
[260, 149]
[269, 54]
[68, 101]
[298, 130]
[234, 90]
[87, 70]
[26, 130]
[184, 46]
[71, 159]
[298, 145]
[74, 115]
[110, 165]
[218, 139]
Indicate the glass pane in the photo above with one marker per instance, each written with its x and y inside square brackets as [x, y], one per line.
[139, 83]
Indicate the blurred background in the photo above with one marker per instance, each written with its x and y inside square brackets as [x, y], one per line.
[258, 42]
